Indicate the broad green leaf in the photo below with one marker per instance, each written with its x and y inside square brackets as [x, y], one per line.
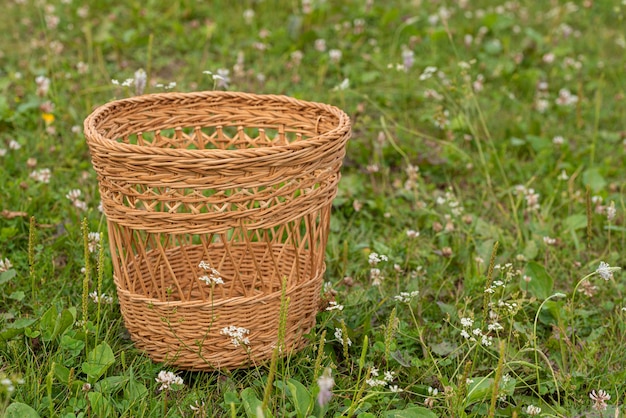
[17, 295]
[479, 390]
[134, 390]
[251, 404]
[61, 373]
[111, 384]
[100, 405]
[98, 361]
[301, 397]
[530, 251]
[7, 275]
[540, 284]
[575, 222]
[411, 412]
[67, 318]
[15, 328]
[72, 345]
[47, 323]
[20, 410]
[594, 180]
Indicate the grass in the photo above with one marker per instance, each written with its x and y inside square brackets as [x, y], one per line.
[486, 182]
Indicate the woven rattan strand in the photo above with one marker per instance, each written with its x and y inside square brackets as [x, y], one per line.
[243, 182]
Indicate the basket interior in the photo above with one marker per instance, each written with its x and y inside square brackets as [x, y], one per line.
[215, 122]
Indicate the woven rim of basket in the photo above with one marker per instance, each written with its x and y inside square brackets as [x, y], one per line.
[228, 302]
[110, 109]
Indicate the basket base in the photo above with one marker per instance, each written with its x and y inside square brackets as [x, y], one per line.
[189, 334]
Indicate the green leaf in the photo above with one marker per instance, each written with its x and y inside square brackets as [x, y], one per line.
[100, 405]
[479, 390]
[134, 390]
[61, 373]
[47, 323]
[7, 275]
[251, 403]
[16, 328]
[540, 284]
[575, 222]
[411, 412]
[20, 410]
[443, 348]
[17, 295]
[301, 397]
[530, 251]
[98, 361]
[111, 384]
[72, 345]
[594, 180]
[63, 322]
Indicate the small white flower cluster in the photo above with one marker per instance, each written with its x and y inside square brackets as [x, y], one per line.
[494, 285]
[599, 398]
[532, 410]
[450, 199]
[340, 337]
[406, 297]
[531, 197]
[5, 265]
[103, 298]
[467, 323]
[334, 306]
[213, 277]
[221, 79]
[42, 176]
[9, 384]
[126, 83]
[167, 379]
[93, 241]
[605, 271]
[375, 258]
[74, 197]
[43, 85]
[167, 86]
[549, 240]
[14, 145]
[611, 212]
[325, 383]
[375, 274]
[388, 377]
[412, 234]
[428, 73]
[237, 335]
[511, 307]
[566, 98]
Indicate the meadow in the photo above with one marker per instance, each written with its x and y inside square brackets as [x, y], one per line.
[473, 263]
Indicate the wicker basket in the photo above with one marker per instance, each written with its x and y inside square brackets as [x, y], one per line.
[241, 182]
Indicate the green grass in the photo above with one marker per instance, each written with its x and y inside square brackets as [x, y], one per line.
[515, 178]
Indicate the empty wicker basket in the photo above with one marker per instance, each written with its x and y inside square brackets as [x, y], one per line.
[212, 200]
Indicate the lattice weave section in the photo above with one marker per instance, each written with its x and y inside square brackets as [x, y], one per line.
[241, 182]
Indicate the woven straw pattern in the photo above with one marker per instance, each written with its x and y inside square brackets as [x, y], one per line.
[240, 181]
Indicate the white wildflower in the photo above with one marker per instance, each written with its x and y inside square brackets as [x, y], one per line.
[5, 265]
[334, 306]
[533, 410]
[213, 277]
[605, 271]
[467, 322]
[375, 258]
[167, 379]
[237, 335]
[428, 73]
[406, 297]
[42, 176]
